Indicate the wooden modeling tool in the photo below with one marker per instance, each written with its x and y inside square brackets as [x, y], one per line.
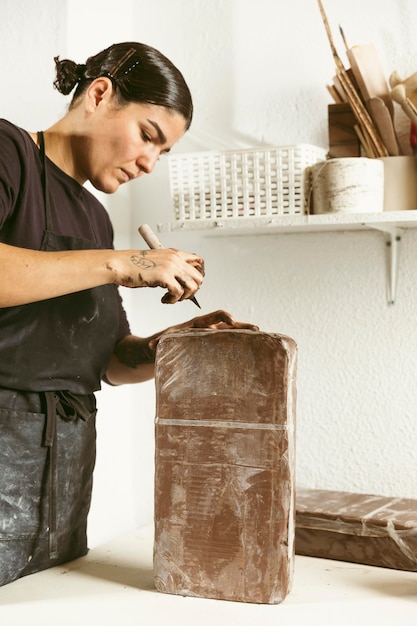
[153, 242]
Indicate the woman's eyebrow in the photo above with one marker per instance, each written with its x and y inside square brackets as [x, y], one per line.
[161, 136]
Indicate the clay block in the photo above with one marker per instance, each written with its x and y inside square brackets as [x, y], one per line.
[224, 465]
[367, 529]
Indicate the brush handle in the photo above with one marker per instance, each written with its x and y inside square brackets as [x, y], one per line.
[149, 236]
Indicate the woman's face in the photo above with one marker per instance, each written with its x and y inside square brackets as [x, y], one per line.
[122, 143]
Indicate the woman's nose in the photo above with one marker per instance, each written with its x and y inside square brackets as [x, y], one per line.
[147, 160]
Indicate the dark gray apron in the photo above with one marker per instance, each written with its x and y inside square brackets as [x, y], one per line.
[47, 432]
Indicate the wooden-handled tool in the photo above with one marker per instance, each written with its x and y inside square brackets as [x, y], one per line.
[153, 242]
[383, 121]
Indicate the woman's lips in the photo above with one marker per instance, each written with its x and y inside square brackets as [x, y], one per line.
[126, 175]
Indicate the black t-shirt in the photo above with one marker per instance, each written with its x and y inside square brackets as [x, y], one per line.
[75, 211]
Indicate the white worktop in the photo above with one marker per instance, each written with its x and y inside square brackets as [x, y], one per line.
[113, 585]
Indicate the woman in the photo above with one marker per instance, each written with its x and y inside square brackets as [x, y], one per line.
[62, 325]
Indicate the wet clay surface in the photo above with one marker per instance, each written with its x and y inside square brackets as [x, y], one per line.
[360, 528]
[224, 479]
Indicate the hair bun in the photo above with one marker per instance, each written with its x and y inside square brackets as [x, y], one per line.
[68, 74]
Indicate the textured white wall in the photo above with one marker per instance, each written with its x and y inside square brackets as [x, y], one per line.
[258, 70]
[31, 34]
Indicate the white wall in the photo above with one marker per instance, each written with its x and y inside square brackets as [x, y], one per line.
[258, 70]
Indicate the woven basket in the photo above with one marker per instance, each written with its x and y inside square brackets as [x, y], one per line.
[245, 183]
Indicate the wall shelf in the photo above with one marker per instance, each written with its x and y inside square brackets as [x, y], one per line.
[390, 223]
[296, 223]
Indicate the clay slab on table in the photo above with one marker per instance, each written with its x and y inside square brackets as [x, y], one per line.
[360, 528]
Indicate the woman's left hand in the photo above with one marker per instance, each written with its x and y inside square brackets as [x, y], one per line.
[216, 320]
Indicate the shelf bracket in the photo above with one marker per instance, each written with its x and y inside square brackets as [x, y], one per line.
[392, 241]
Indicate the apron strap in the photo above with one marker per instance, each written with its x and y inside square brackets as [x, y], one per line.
[47, 202]
[70, 407]
[50, 441]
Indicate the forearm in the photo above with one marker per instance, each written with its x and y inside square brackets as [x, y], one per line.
[132, 362]
[32, 275]
[120, 374]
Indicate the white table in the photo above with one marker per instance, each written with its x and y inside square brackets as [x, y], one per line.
[113, 585]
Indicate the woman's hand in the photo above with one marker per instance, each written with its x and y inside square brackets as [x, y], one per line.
[217, 319]
[181, 273]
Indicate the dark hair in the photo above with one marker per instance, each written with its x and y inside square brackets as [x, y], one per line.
[138, 72]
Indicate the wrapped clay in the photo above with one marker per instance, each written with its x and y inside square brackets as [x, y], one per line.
[361, 528]
[224, 465]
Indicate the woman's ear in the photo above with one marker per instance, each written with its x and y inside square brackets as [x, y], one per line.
[99, 91]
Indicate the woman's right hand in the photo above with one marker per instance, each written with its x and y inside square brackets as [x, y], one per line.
[180, 273]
